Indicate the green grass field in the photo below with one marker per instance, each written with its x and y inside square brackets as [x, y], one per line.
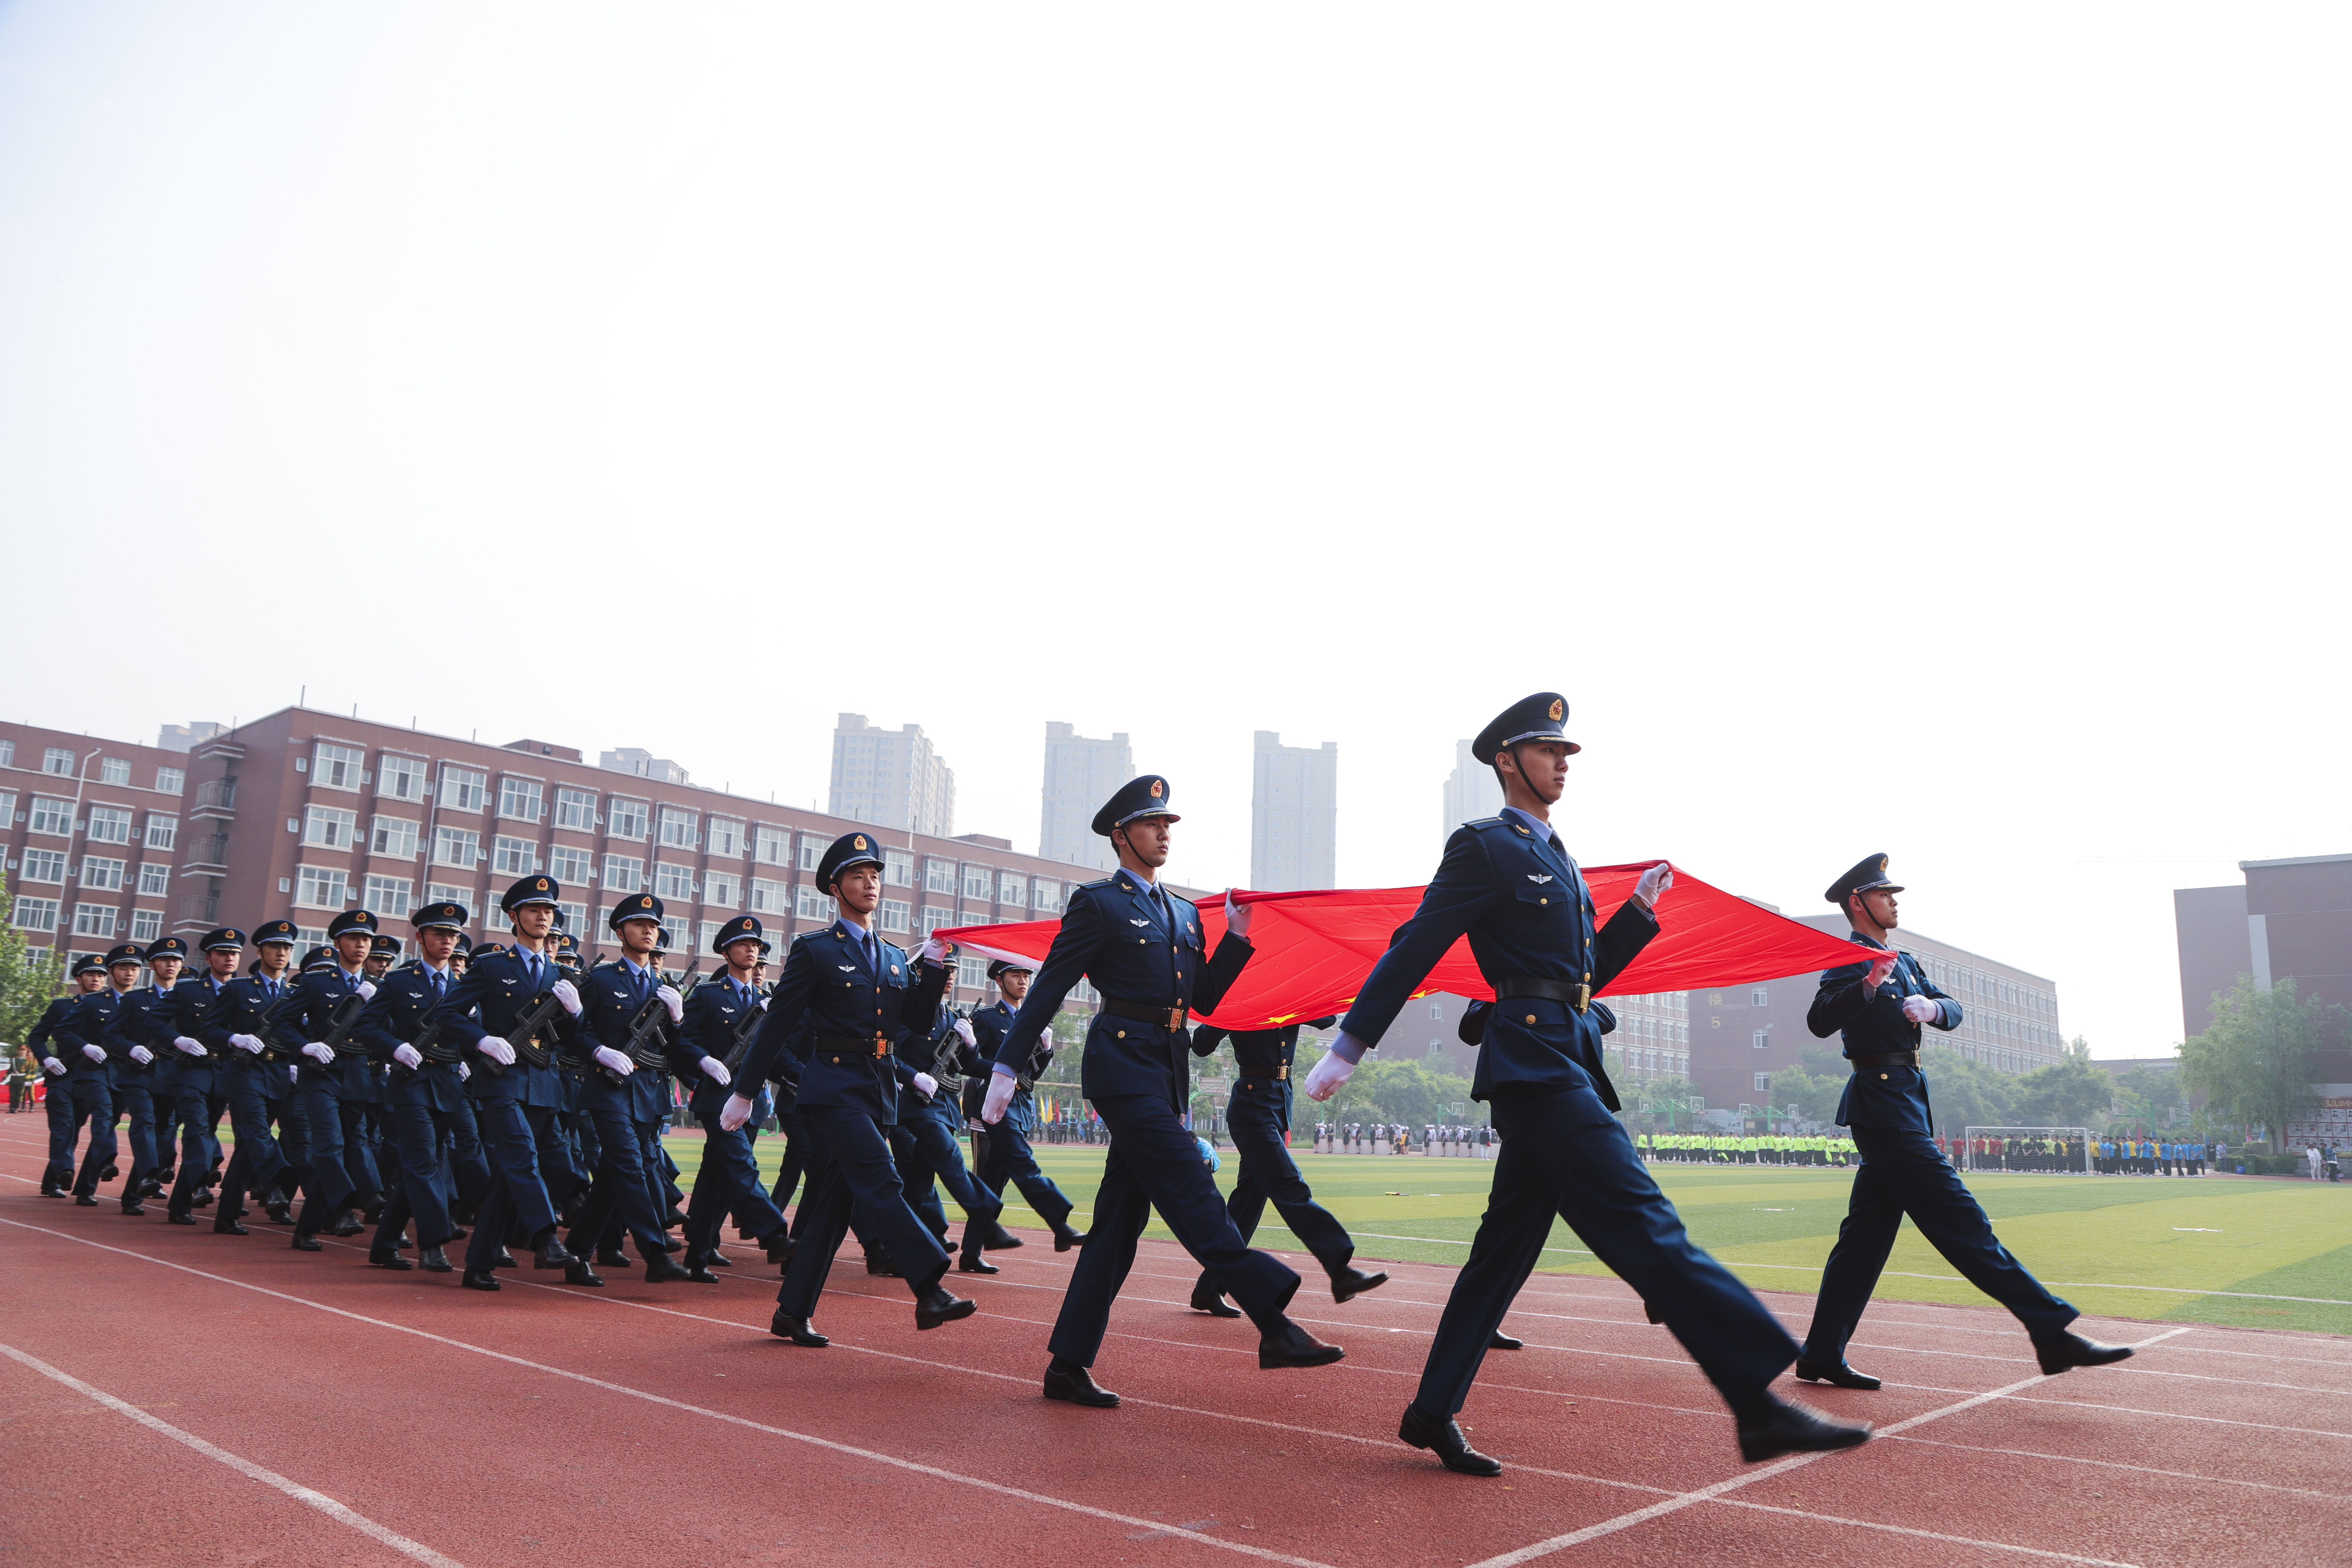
[2130, 1246]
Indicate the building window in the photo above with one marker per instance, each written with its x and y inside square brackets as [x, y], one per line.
[394, 838]
[629, 818]
[52, 817]
[336, 767]
[58, 761]
[8, 754]
[93, 919]
[575, 920]
[513, 856]
[771, 845]
[895, 914]
[398, 777]
[519, 798]
[146, 925]
[1763, 1083]
[155, 880]
[1437, 1047]
[388, 896]
[576, 808]
[673, 881]
[1045, 897]
[45, 865]
[938, 876]
[727, 837]
[171, 781]
[308, 937]
[110, 825]
[975, 882]
[463, 789]
[935, 916]
[102, 875]
[114, 770]
[770, 898]
[812, 905]
[571, 867]
[1013, 890]
[1437, 1009]
[1759, 997]
[7, 809]
[972, 973]
[899, 868]
[623, 873]
[162, 832]
[35, 915]
[328, 829]
[456, 847]
[677, 829]
[811, 851]
[720, 887]
[319, 888]
[1761, 1039]
[443, 893]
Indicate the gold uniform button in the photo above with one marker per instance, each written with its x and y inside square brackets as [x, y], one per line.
[1531, 1017]
[837, 1062]
[1122, 1035]
[1882, 1075]
[1543, 900]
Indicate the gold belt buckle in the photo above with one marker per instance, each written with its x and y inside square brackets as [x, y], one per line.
[1177, 1016]
[881, 1046]
[1583, 997]
[1283, 1071]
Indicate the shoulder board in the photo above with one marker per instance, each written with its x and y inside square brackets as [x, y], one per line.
[1090, 887]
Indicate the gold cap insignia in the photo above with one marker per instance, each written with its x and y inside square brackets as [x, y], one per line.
[543, 884]
[1158, 789]
[1882, 862]
[1558, 707]
[859, 842]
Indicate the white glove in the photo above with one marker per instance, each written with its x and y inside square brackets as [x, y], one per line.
[497, 1049]
[464, 1072]
[246, 1043]
[615, 1061]
[934, 952]
[1922, 1009]
[142, 1055]
[735, 1112]
[1654, 883]
[1238, 916]
[1001, 1085]
[963, 1032]
[763, 1004]
[568, 993]
[674, 1002]
[716, 1071]
[293, 1073]
[320, 1052]
[1324, 1079]
[94, 1053]
[194, 1047]
[52, 1064]
[1880, 968]
[367, 990]
[927, 1085]
[407, 1056]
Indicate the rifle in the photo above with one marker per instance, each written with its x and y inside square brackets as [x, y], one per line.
[747, 1029]
[343, 1020]
[524, 1037]
[643, 1045]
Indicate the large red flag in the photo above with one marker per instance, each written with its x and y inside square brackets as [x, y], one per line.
[1314, 949]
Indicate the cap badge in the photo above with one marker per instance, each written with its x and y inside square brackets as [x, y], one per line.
[1158, 789]
[1882, 862]
[859, 842]
[543, 884]
[1558, 707]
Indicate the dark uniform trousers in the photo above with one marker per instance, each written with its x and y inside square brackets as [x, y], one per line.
[361, 1126]
[938, 1152]
[65, 1129]
[326, 1182]
[512, 1134]
[258, 1095]
[469, 1165]
[134, 1096]
[94, 1100]
[1009, 1158]
[195, 1096]
[424, 1191]
[727, 1183]
[621, 1197]
[795, 1161]
[1255, 1121]
[863, 1180]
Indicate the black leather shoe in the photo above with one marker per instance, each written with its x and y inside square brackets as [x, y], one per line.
[614, 1258]
[385, 1258]
[1838, 1377]
[882, 1266]
[1351, 1283]
[2073, 1351]
[1499, 1341]
[279, 1210]
[203, 1200]
[1793, 1429]
[230, 1224]
[457, 1233]
[84, 1201]
[973, 1263]
[936, 1306]
[305, 1242]
[181, 1219]
[672, 1221]
[1207, 1298]
[699, 1274]
[1077, 1385]
[579, 1273]
[1443, 1437]
[1066, 1238]
[433, 1260]
[134, 1208]
[551, 1254]
[714, 1258]
[109, 1173]
[784, 1326]
[779, 1247]
[660, 1270]
[479, 1281]
[1291, 1345]
[505, 1259]
[349, 1225]
[1001, 1239]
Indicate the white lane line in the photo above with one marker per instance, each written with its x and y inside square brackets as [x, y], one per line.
[414, 1550]
[914, 1467]
[2141, 1469]
[1935, 1535]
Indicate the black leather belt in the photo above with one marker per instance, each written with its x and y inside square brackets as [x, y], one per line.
[853, 1045]
[1886, 1060]
[1577, 995]
[1157, 1017]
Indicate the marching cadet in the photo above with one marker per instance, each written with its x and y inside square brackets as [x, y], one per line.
[198, 1093]
[383, 952]
[1257, 1118]
[421, 1096]
[1003, 1152]
[332, 993]
[928, 1130]
[96, 1077]
[1143, 951]
[65, 1118]
[1508, 884]
[512, 1087]
[623, 1098]
[236, 1028]
[721, 1012]
[860, 1000]
[139, 1040]
[1877, 1005]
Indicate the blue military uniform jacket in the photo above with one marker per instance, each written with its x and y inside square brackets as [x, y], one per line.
[394, 1016]
[166, 1020]
[713, 1014]
[1261, 1060]
[244, 1006]
[1528, 915]
[609, 999]
[90, 1023]
[845, 1004]
[1114, 935]
[309, 1015]
[1873, 1023]
[492, 998]
[134, 1025]
[42, 1039]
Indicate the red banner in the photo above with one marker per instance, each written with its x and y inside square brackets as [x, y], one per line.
[1314, 949]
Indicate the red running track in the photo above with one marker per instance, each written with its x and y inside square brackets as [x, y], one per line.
[171, 1396]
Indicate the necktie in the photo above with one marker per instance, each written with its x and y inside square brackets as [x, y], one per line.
[534, 972]
[437, 982]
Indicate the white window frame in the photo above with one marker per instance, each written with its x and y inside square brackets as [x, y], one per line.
[722, 888]
[162, 831]
[56, 860]
[114, 770]
[513, 856]
[813, 850]
[769, 895]
[35, 915]
[899, 868]
[155, 878]
[171, 781]
[727, 836]
[680, 828]
[1763, 1083]
[571, 866]
[522, 799]
[897, 914]
[95, 920]
[938, 875]
[771, 845]
[627, 817]
[393, 838]
[979, 881]
[1044, 895]
[57, 763]
[811, 902]
[935, 916]
[575, 916]
[399, 777]
[458, 847]
[146, 925]
[334, 766]
[971, 972]
[464, 788]
[103, 873]
[1761, 1039]
[575, 808]
[624, 873]
[387, 895]
[1013, 889]
[443, 893]
[330, 827]
[107, 823]
[321, 887]
[672, 880]
[50, 816]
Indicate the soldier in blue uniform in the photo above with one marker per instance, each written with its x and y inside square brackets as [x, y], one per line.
[95, 1073]
[624, 1099]
[1257, 1117]
[199, 1095]
[1878, 1005]
[137, 1042]
[716, 1016]
[1002, 1152]
[859, 998]
[65, 1119]
[1508, 885]
[1143, 949]
[512, 1087]
[237, 1029]
[928, 1142]
[327, 1076]
[420, 1096]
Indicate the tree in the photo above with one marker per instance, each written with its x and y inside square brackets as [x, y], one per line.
[1966, 1093]
[1812, 1096]
[2069, 1092]
[30, 977]
[2150, 1097]
[2253, 1063]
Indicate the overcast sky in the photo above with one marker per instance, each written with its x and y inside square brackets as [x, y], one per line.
[1894, 430]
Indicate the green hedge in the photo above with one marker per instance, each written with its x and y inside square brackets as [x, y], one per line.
[2269, 1164]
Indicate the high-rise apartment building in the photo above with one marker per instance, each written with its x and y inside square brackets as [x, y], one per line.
[1294, 815]
[1081, 773]
[2288, 920]
[891, 778]
[1471, 791]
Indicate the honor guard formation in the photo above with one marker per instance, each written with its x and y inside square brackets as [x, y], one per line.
[503, 1095]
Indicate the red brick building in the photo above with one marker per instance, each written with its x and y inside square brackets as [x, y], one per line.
[2290, 919]
[94, 831]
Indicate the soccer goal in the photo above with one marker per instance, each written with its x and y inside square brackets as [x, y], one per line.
[2030, 1151]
